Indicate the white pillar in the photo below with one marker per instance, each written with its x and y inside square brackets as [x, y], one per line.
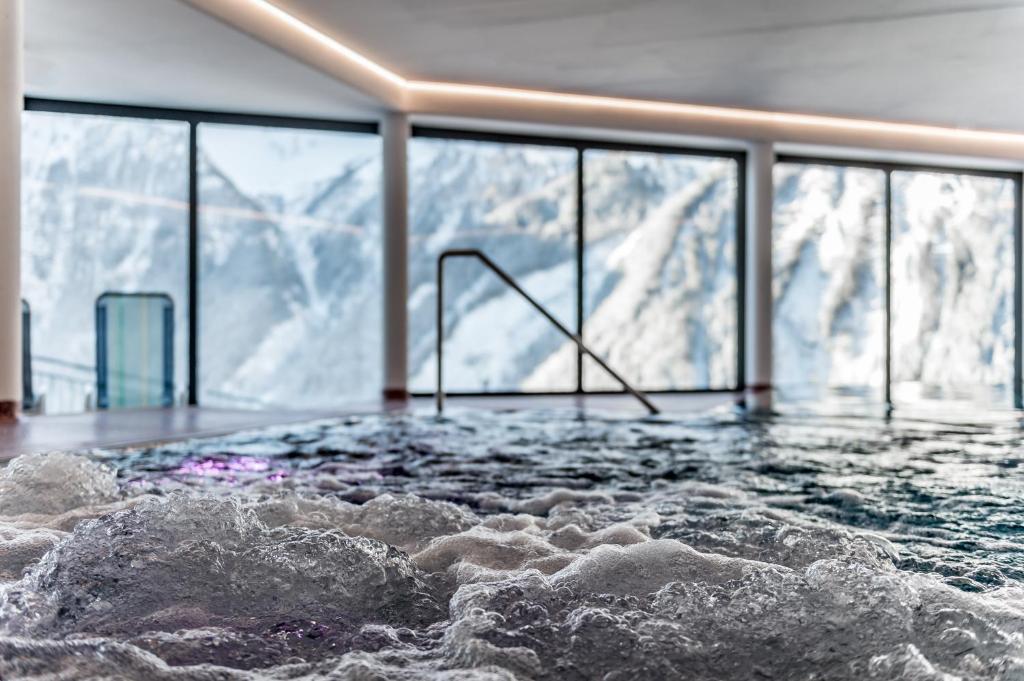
[760, 161]
[11, 102]
[395, 131]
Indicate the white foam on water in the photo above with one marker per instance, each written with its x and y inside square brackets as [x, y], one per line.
[698, 581]
[51, 484]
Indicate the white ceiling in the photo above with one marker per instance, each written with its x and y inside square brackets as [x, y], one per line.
[954, 62]
[165, 53]
[948, 62]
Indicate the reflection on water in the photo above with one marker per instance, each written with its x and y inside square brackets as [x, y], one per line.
[532, 546]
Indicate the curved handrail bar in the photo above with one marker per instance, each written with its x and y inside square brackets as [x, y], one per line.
[507, 278]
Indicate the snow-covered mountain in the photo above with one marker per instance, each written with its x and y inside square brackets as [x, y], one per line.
[517, 204]
[105, 208]
[291, 265]
[829, 279]
[291, 289]
[660, 270]
[952, 282]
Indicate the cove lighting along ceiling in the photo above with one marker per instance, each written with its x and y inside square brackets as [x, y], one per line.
[495, 95]
[738, 115]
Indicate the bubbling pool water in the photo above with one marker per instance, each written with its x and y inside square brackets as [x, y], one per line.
[529, 546]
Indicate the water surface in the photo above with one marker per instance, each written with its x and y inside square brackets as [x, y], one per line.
[524, 546]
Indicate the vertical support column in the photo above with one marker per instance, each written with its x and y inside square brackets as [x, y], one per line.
[758, 394]
[11, 103]
[395, 131]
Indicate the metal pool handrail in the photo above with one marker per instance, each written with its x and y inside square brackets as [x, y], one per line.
[507, 278]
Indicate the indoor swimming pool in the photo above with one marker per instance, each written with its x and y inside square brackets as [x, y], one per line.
[524, 545]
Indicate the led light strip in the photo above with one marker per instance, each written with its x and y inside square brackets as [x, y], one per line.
[725, 114]
[330, 43]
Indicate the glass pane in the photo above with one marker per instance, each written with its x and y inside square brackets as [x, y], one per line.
[660, 270]
[290, 271]
[104, 208]
[518, 205]
[828, 262]
[953, 286]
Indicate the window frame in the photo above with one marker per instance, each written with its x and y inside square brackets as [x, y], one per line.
[581, 145]
[195, 118]
[890, 167]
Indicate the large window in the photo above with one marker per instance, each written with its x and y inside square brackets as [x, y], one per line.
[828, 260]
[105, 208]
[653, 286]
[931, 249]
[660, 278]
[285, 287]
[889, 280]
[290, 267]
[517, 203]
[952, 285]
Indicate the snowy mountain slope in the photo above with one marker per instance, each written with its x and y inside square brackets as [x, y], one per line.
[104, 208]
[517, 204]
[661, 291]
[828, 281]
[291, 265]
[953, 274]
[952, 282]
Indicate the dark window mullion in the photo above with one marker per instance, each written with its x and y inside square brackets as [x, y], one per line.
[580, 262]
[741, 273]
[1018, 293]
[193, 264]
[887, 390]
